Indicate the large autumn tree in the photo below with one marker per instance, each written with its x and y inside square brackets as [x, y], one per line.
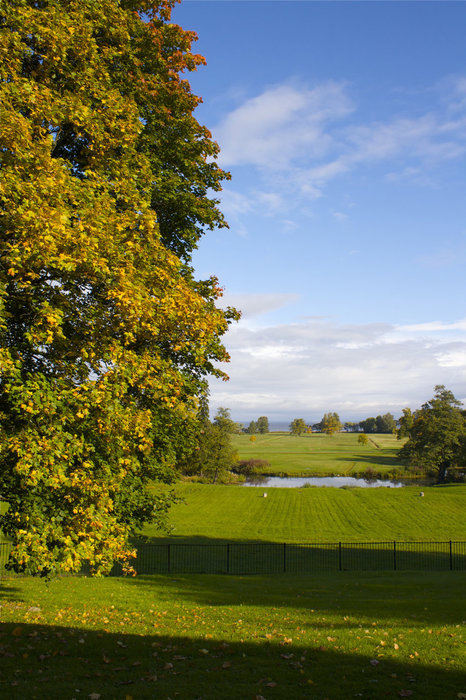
[106, 337]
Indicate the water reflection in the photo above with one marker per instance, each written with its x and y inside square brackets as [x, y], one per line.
[335, 481]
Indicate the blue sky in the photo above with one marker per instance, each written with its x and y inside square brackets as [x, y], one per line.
[343, 125]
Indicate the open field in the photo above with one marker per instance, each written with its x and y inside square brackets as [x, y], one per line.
[318, 454]
[210, 637]
[229, 513]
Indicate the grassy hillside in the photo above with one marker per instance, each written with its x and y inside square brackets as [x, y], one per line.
[318, 514]
[318, 454]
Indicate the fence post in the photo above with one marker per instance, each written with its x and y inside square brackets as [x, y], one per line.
[451, 558]
[394, 556]
[284, 557]
[339, 556]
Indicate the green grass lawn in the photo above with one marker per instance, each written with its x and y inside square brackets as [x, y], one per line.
[318, 454]
[311, 638]
[238, 513]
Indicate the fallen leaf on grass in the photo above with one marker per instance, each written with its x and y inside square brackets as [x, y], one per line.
[128, 682]
[405, 693]
[94, 696]
[374, 662]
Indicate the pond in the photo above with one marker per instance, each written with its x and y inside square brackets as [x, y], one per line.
[293, 482]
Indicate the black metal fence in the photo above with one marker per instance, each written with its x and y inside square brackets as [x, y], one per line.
[270, 558]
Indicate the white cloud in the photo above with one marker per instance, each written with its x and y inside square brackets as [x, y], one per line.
[308, 368]
[300, 132]
[453, 358]
[281, 124]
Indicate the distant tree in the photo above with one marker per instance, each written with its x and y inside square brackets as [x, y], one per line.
[405, 423]
[216, 452]
[213, 454]
[385, 423]
[263, 424]
[369, 425]
[298, 426]
[437, 438]
[331, 423]
[252, 428]
[351, 427]
[224, 421]
[253, 438]
[363, 439]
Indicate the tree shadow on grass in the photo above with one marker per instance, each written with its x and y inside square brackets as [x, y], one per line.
[355, 598]
[239, 557]
[383, 460]
[42, 661]
[8, 592]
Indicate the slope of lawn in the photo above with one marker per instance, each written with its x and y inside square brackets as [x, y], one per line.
[317, 514]
[239, 638]
[318, 454]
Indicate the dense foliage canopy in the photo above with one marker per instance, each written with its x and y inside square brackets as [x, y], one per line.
[105, 335]
[437, 436]
[213, 455]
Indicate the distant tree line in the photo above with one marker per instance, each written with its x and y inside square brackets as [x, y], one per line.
[331, 424]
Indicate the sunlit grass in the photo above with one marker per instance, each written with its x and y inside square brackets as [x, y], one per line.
[317, 514]
[318, 454]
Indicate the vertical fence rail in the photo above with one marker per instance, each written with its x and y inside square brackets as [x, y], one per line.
[305, 558]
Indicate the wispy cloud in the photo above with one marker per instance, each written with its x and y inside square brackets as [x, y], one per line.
[303, 134]
[282, 124]
[433, 326]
